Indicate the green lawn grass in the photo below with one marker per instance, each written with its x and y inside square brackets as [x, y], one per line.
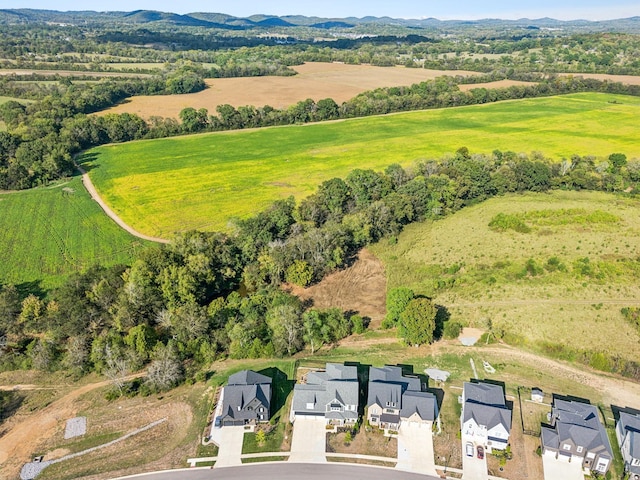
[202, 181]
[48, 233]
[480, 274]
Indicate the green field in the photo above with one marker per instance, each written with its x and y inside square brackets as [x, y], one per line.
[511, 278]
[201, 181]
[47, 233]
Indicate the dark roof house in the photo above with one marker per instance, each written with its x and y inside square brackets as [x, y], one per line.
[246, 399]
[331, 393]
[576, 432]
[393, 398]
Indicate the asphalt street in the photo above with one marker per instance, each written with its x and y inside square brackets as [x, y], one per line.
[288, 471]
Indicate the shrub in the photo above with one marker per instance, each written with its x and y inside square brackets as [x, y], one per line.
[452, 329]
[357, 324]
[502, 222]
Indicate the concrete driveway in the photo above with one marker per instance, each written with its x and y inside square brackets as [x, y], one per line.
[415, 449]
[472, 467]
[309, 441]
[556, 469]
[229, 441]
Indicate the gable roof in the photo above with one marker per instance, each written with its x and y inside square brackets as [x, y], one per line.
[484, 393]
[630, 425]
[422, 403]
[337, 382]
[243, 396]
[486, 405]
[248, 377]
[578, 422]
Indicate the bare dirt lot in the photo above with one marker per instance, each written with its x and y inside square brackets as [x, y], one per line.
[626, 79]
[314, 80]
[360, 288]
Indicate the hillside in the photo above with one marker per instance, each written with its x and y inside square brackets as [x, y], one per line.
[204, 181]
[64, 232]
[557, 288]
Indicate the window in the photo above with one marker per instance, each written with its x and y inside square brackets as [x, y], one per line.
[261, 409]
[579, 449]
[566, 446]
[389, 410]
[336, 407]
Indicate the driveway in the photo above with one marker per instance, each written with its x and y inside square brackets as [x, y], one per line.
[472, 467]
[309, 441]
[229, 441]
[554, 469]
[415, 449]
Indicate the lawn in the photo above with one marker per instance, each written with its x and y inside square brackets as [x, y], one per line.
[48, 233]
[549, 289]
[204, 181]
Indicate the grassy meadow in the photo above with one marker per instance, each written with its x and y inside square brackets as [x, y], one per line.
[559, 283]
[202, 181]
[47, 233]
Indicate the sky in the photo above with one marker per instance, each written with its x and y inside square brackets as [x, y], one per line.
[444, 10]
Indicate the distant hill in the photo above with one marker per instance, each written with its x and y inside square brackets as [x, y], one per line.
[225, 21]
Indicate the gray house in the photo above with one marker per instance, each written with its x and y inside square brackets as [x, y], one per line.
[331, 394]
[394, 399]
[246, 400]
[628, 433]
[485, 419]
[576, 435]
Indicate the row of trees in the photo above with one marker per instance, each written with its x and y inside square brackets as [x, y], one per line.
[178, 307]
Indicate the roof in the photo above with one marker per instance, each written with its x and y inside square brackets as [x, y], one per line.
[337, 382]
[389, 388]
[578, 422]
[248, 377]
[485, 404]
[631, 426]
[242, 396]
[422, 403]
[484, 393]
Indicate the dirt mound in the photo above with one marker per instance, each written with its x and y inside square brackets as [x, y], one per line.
[361, 288]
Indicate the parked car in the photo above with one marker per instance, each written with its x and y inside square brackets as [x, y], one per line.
[217, 422]
[480, 452]
[469, 449]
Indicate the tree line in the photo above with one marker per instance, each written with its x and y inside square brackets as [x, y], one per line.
[210, 295]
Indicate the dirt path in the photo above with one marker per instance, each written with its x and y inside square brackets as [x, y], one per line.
[23, 439]
[556, 301]
[615, 390]
[88, 184]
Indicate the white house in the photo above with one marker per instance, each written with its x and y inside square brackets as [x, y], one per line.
[628, 433]
[485, 418]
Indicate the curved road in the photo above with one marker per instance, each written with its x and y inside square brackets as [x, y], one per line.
[287, 471]
[88, 184]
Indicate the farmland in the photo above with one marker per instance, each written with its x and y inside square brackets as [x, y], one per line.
[203, 181]
[556, 288]
[48, 233]
[314, 80]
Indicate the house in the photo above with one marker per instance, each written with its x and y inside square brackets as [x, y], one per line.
[485, 419]
[628, 433]
[246, 400]
[394, 399]
[331, 394]
[576, 434]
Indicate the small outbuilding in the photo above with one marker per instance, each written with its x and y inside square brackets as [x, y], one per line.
[537, 395]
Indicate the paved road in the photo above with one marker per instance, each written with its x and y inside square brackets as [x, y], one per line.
[288, 471]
